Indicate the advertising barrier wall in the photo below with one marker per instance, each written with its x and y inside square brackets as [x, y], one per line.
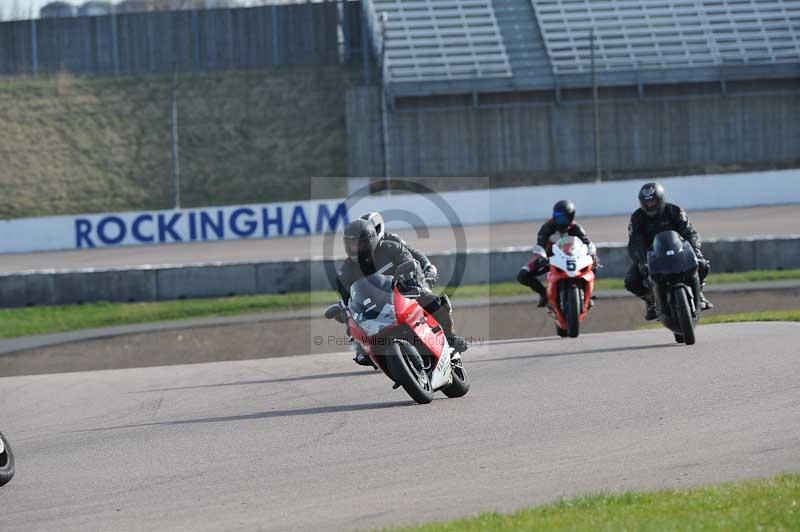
[475, 207]
[171, 226]
[214, 280]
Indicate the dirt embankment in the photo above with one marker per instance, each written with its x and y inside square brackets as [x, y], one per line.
[73, 145]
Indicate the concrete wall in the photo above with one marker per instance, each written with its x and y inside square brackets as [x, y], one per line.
[508, 134]
[212, 39]
[480, 267]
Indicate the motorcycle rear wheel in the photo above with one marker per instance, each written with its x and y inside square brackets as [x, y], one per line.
[6, 461]
[460, 385]
[415, 381]
[684, 313]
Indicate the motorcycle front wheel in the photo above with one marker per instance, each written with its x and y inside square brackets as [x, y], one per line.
[573, 314]
[403, 362]
[6, 461]
[684, 314]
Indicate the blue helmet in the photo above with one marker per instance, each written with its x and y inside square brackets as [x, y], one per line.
[563, 214]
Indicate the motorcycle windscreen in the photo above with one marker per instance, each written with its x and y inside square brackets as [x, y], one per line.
[570, 245]
[372, 303]
[670, 255]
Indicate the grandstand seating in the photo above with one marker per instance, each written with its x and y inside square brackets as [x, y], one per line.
[438, 40]
[647, 34]
[473, 46]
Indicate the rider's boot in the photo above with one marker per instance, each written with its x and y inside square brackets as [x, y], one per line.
[442, 312]
[705, 304]
[457, 342]
[650, 313]
[361, 358]
[542, 300]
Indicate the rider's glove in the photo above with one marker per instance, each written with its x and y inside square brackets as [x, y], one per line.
[431, 274]
[644, 270]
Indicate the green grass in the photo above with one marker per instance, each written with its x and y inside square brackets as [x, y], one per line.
[43, 320]
[29, 321]
[516, 289]
[772, 504]
[774, 315]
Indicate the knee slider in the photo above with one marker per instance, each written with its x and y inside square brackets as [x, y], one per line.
[444, 301]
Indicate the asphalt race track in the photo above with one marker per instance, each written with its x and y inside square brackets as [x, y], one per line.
[723, 223]
[316, 443]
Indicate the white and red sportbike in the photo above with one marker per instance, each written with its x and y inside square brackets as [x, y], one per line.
[401, 338]
[570, 285]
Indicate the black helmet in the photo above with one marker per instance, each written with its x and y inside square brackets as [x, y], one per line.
[652, 199]
[360, 239]
[563, 214]
[377, 220]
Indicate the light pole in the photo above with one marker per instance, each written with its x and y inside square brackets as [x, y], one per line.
[176, 167]
[595, 112]
[384, 20]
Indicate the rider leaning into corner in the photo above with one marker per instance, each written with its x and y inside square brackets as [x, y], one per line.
[652, 217]
[429, 271]
[561, 224]
[367, 254]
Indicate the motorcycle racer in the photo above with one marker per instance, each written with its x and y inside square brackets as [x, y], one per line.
[653, 216]
[429, 271]
[561, 224]
[367, 254]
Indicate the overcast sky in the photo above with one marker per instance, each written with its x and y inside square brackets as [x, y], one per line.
[15, 8]
[22, 8]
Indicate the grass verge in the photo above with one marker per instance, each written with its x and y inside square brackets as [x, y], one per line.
[772, 504]
[777, 315]
[29, 321]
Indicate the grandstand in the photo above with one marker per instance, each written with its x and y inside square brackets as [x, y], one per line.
[504, 87]
[447, 46]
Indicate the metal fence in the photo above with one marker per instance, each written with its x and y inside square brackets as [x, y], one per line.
[322, 33]
[670, 128]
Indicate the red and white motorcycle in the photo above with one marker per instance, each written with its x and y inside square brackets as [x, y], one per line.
[402, 339]
[570, 285]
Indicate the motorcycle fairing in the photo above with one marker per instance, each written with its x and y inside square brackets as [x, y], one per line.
[671, 257]
[377, 309]
[573, 265]
[571, 256]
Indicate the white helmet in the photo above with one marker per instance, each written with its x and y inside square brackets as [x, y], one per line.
[377, 220]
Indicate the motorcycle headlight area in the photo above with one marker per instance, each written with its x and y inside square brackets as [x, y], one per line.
[372, 322]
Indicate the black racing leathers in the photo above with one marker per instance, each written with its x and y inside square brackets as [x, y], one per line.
[420, 257]
[548, 231]
[548, 235]
[387, 257]
[641, 232]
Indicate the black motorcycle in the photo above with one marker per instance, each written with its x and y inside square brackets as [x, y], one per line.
[6, 461]
[675, 284]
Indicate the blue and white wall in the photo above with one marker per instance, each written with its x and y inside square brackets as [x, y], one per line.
[315, 217]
